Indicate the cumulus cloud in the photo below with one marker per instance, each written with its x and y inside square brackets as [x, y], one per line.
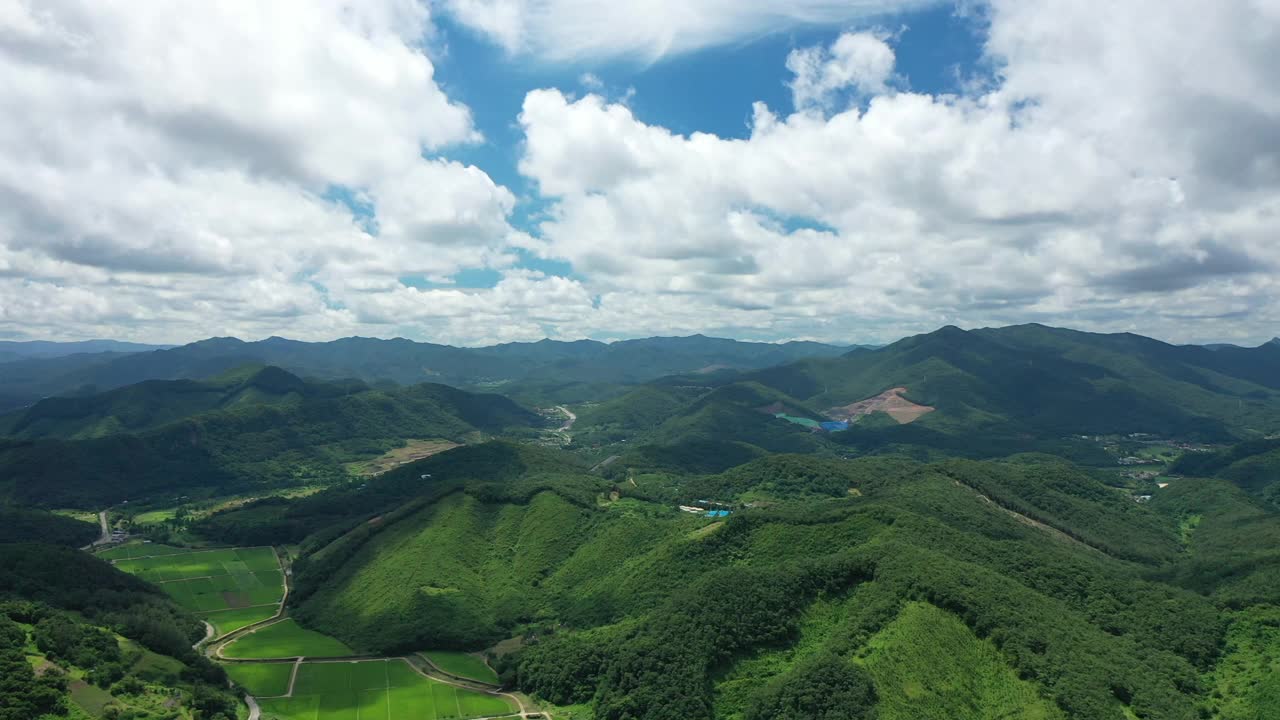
[169, 172]
[862, 62]
[149, 147]
[564, 30]
[1101, 181]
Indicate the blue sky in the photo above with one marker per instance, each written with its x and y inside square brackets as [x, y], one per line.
[711, 90]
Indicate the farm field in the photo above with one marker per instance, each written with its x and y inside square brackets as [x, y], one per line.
[232, 619]
[141, 549]
[208, 581]
[261, 679]
[377, 689]
[462, 664]
[285, 639]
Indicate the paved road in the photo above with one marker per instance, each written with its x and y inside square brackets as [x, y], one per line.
[254, 712]
[105, 537]
[208, 635]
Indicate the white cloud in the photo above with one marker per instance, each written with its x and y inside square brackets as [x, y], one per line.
[1104, 181]
[148, 147]
[565, 30]
[861, 61]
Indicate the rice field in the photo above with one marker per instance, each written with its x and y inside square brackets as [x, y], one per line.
[463, 665]
[377, 689]
[230, 588]
[140, 550]
[261, 679]
[284, 639]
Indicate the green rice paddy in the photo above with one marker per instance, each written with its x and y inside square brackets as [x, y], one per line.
[141, 549]
[209, 581]
[377, 689]
[261, 679]
[462, 664]
[225, 621]
[285, 639]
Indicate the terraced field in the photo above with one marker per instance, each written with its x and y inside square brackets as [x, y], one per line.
[461, 664]
[285, 639]
[376, 689]
[229, 588]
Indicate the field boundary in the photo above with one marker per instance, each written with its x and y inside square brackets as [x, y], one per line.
[113, 561]
[521, 710]
[423, 656]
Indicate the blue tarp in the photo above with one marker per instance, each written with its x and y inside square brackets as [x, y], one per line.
[717, 513]
[835, 425]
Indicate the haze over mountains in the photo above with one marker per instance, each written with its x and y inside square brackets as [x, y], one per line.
[402, 361]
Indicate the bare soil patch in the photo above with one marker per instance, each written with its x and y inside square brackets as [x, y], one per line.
[236, 600]
[392, 459]
[890, 402]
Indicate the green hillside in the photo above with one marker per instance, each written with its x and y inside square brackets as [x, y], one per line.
[78, 638]
[151, 404]
[637, 605]
[1048, 382]
[1253, 466]
[928, 666]
[19, 524]
[250, 445]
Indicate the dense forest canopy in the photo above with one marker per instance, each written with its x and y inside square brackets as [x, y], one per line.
[1074, 526]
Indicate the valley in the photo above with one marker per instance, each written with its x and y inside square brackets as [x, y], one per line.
[927, 530]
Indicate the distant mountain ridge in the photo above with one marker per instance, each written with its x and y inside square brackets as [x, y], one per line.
[15, 349]
[1054, 381]
[257, 428]
[404, 362]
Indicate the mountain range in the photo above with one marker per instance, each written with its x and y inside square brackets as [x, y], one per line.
[402, 362]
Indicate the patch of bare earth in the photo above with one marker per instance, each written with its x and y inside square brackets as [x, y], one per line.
[890, 402]
[392, 459]
[236, 600]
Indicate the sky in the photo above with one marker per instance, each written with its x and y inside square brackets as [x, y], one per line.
[481, 171]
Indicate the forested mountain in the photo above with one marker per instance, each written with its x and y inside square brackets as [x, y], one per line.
[405, 362]
[267, 428]
[11, 349]
[153, 403]
[1068, 599]
[1048, 381]
[713, 544]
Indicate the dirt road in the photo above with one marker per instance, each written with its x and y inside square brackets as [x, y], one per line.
[570, 418]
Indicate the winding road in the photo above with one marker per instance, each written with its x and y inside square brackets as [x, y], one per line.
[570, 418]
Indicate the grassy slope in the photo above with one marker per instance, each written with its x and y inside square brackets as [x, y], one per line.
[928, 666]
